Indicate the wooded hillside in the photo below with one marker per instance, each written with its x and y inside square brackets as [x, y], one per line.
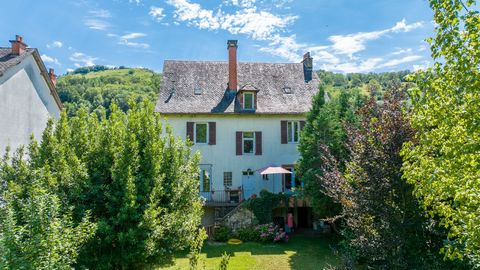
[97, 86]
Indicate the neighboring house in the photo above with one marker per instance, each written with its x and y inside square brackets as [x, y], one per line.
[27, 95]
[241, 117]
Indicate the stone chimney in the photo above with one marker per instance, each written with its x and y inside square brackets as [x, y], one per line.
[232, 64]
[18, 47]
[53, 77]
[307, 67]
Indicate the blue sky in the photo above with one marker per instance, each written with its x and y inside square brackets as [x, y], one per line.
[342, 35]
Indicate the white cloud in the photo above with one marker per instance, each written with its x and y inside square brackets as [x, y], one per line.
[264, 25]
[97, 24]
[353, 43]
[259, 25]
[135, 1]
[100, 13]
[126, 40]
[352, 67]
[396, 62]
[423, 66]
[156, 13]
[402, 51]
[80, 59]
[133, 35]
[48, 59]
[69, 69]
[55, 44]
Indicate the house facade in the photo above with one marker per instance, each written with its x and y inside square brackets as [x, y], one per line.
[241, 117]
[27, 95]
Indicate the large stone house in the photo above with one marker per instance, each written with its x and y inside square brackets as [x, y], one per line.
[241, 117]
[27, 95]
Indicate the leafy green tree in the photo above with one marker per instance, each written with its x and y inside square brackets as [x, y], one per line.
[324, 126]
[384, 225]
[35, 233]
[443, 162]
[138, 181]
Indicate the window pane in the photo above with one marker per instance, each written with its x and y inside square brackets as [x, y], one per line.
[201, 133]
[289, 131]
[206, 180]
[295, 131]
[248, 101]
[227, 179]
[248, 146]
[248, 135]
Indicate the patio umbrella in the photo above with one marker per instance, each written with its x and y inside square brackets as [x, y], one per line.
[273, 170]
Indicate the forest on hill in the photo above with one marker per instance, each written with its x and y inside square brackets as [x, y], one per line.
[97, 87]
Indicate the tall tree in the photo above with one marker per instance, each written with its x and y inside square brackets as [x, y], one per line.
[443, 162]
[384, 226]
[137, 179]
[324, 126]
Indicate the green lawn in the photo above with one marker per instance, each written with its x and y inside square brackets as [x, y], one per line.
[300, 253]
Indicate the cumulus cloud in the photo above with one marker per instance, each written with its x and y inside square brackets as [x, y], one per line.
[259, 25]
[55, 44]
[48, 59]
[264, 25]
[156, 13]
[80, 59]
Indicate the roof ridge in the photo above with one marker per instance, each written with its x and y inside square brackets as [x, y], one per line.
[226, 62]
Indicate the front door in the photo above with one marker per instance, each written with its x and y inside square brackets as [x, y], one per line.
[248, 184]
[206, 181]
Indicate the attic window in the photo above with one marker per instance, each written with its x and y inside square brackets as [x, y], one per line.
[197, 91]
[248, 101]
[287, 90]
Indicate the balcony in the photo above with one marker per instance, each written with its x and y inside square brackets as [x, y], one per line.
[224, 197]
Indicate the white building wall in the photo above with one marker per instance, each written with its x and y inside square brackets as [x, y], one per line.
[222, 156]
[25, 104]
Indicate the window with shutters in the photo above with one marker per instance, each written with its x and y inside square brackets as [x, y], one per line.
[227, 179]
[248, 142]
[201, 133]
[293, 131]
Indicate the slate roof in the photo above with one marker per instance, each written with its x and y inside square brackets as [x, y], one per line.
[8, 60]
[181, 78]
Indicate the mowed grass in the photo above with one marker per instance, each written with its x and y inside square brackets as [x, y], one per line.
[300, 253]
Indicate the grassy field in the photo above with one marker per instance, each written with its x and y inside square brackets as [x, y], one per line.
[300, 253]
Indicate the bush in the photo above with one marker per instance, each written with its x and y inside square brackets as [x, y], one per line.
[222, 233]
[271, 233]
[248, 234]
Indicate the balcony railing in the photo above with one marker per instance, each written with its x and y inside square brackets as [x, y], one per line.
[223, 197]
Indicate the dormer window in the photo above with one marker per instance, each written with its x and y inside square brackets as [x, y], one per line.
[248, 101]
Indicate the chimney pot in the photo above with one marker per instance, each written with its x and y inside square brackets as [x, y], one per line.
[18, 47]
[232, 64]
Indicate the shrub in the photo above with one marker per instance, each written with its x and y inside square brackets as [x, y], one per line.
[222, 233]
[249, 234]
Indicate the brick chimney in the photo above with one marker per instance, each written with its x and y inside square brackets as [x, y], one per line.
[307, 67]
[232, 64]
[53, 77]
[18, 47]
